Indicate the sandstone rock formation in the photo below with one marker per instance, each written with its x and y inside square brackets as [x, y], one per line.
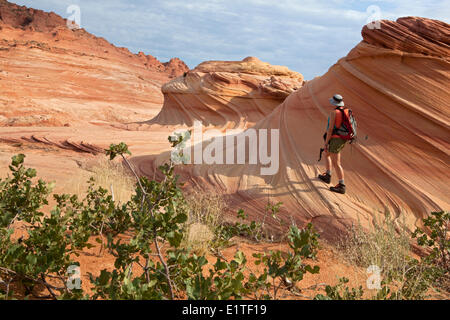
[28, 18]
[397, 83]
[411, 35]
[51, 75]
[69, 86]
[226, 94]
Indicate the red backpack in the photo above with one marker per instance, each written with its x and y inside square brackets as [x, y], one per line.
[347, 130]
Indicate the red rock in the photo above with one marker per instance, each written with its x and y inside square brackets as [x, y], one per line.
[397, 83]
[22, 17]
[175, 67]
[226, 94]
[72, 76]
[411, 35]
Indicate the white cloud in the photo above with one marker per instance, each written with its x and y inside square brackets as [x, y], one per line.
[306, 35]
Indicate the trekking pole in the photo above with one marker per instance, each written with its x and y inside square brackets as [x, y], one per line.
[321, 152]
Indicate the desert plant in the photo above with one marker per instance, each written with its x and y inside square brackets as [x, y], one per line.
[95, 215]
[286, 268]
[159, 213]
[152, 264]
[206, 208]
[225, 280]
[437, 241]
[114, 177]
[404, 277]
[242, 227]
[385, 246]
[341, 292]
[205, 215]
[41, 256]
[414, 280]
[252, 230]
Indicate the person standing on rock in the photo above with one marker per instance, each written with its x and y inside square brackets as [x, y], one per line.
[334, 143]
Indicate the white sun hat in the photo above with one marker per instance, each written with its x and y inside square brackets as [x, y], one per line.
[337, 100]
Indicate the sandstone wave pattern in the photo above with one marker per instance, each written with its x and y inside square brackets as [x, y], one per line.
[226, 94]
[397, 83]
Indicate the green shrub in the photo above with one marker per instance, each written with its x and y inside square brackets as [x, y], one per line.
[159, 215]
[156, 262]
[438, 241]
[225, 231]
[341, 292]
[286, 269]
[404, 277]
[44, 251]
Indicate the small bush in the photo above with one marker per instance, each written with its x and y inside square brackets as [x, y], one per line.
[41, 257]
[159, 212]
[341, 292]
[384, 246]
[116, 178]
[403, 277]
[437, 243]
[112, 176]
[286, 269]
[205, 215]
[155, 264]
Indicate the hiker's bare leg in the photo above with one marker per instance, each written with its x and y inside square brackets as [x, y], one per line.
[336, 159]
[327, 161]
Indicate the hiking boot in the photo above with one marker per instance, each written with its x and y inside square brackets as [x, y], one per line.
[325, 177]
[340, 188]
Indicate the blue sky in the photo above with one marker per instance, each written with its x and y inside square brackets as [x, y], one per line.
[308, 36]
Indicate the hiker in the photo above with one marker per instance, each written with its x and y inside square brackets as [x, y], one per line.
[340, 130]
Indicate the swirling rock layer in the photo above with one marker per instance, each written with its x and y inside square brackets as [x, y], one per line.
[226, 94]
[397, 83]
